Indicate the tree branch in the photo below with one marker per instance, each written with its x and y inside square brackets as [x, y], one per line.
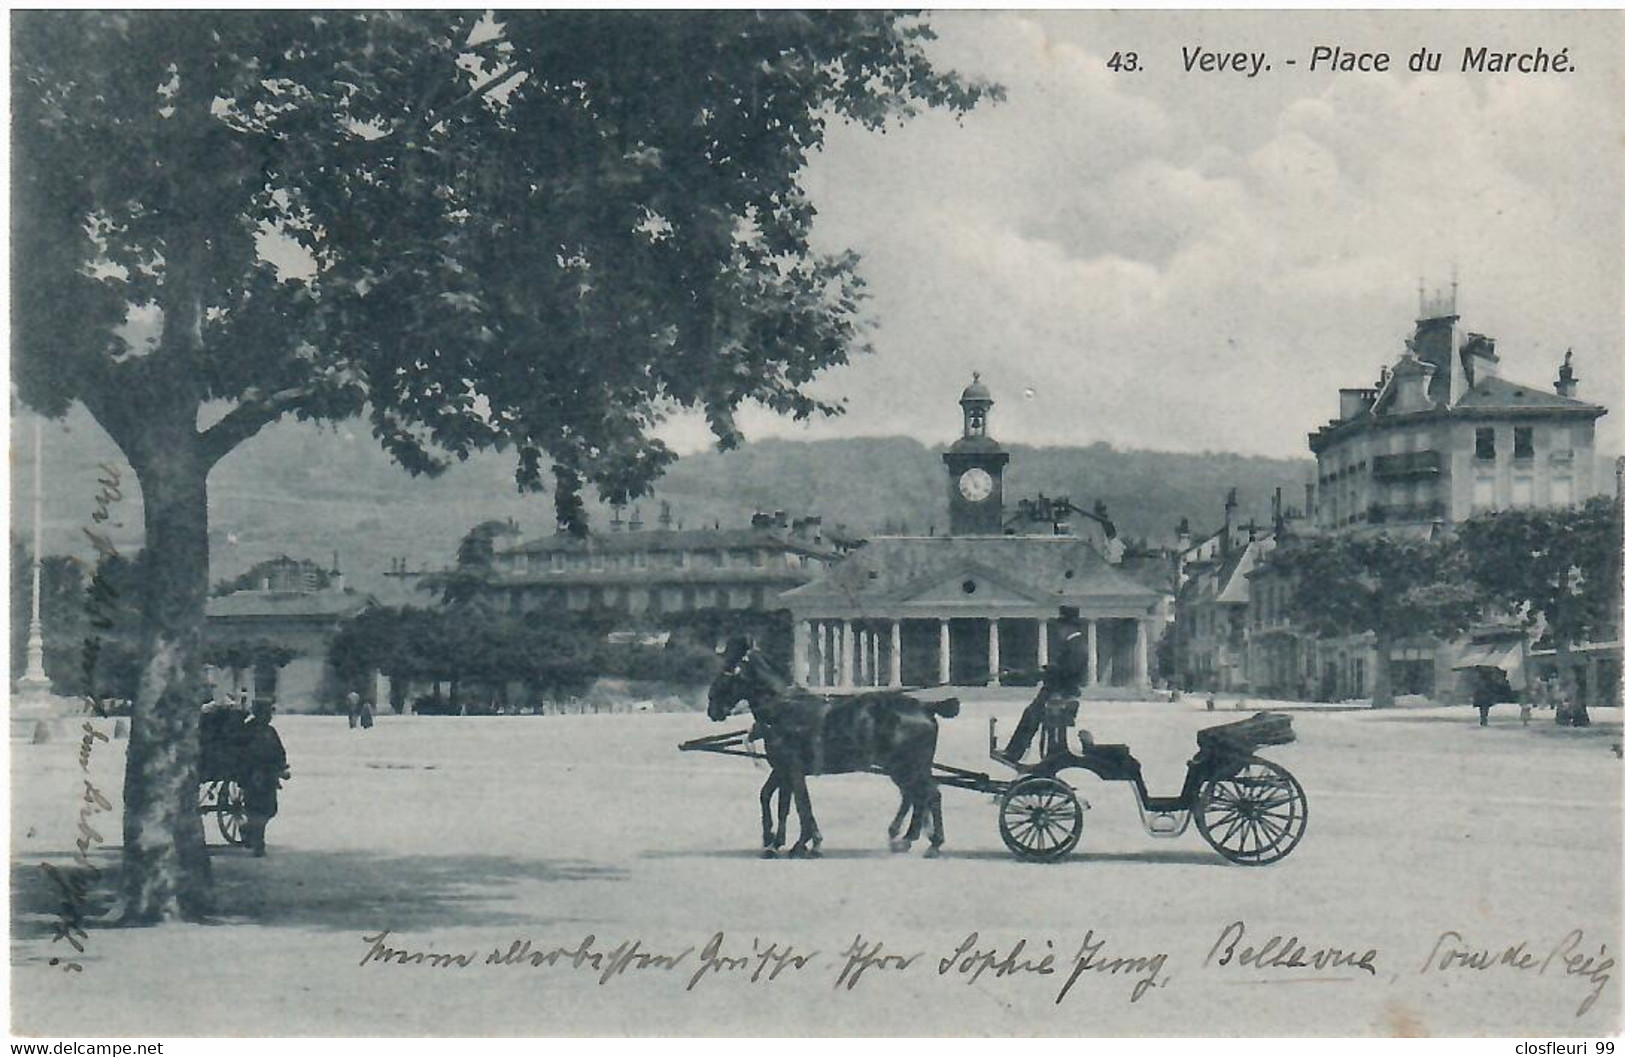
[253, 413]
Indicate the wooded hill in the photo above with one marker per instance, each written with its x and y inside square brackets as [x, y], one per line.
[309, 492]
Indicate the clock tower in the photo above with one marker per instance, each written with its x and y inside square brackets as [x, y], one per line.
[975, 470]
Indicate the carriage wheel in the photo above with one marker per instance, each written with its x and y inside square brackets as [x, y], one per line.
[1040, 819]
[1253, 814]
[230, 811]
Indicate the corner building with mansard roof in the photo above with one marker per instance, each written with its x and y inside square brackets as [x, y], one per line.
[975, 606]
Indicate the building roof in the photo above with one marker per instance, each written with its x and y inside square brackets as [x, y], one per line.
[336, 605]
[1225, 581]
[671, 540]
[1038, 569]
[1502, 394]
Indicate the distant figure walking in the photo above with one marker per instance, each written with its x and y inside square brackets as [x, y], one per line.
[352, 706]
[1491, 688]
[264, 764]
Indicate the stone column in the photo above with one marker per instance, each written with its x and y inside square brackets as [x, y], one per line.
[848, 655]
[944, 668]
[874, 658]
[895, 676]
[1043, 642]
[993, 651]
[799, 673]
[1142, 667]
[1094, 657]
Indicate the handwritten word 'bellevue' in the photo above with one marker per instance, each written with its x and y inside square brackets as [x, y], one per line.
[1283, 952]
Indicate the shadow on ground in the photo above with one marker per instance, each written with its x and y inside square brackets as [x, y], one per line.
[1188, 858]
[327, 890]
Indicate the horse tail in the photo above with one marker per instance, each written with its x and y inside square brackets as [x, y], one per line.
[947, 708]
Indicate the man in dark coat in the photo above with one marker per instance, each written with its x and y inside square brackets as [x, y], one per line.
[264, 765]
[1063, 678]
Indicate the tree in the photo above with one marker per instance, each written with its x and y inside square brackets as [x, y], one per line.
[476, 555]
[532, 235]
[1390, 587]
[1554, 568]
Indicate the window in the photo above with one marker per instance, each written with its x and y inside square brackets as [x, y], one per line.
[1563, 491]
[1523, 490]
[1523, 442]
[1484, 442]
[1483, 493]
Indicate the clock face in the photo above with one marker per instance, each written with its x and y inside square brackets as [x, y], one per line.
[975, 485]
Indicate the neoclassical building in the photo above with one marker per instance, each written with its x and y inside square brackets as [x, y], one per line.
[973, 607]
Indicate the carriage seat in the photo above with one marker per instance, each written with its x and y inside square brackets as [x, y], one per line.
[1245, 735]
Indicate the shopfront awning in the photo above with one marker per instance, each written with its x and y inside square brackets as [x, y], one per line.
[1507, 656]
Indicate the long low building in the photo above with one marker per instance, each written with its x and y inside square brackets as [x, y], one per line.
[662, 570]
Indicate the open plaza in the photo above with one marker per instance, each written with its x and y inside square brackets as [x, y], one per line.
[578, 874]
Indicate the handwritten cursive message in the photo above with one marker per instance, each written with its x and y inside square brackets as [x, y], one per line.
[1569, 957]
[74, 882]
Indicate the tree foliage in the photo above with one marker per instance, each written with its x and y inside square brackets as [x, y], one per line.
[532, 234]
[1556, 568]
[1390, 587]
[535, 235]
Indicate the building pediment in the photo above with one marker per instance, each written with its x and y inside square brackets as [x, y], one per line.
[972, 585]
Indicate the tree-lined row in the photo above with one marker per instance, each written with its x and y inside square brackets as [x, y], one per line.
[484, 655]
[1556, 572]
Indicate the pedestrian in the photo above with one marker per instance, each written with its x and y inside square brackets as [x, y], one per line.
[265, 764]
[1491, 687]
[352, 705]
[366, 714]
[1524, 709]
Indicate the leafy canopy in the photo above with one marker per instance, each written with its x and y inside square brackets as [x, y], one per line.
[1556, 566]
[537, 234]
[1392, 586]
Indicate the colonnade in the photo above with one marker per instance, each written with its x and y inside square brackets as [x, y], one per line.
[841, 653]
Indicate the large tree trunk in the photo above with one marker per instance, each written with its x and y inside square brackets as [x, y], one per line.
[1382, 674]
[166, 866]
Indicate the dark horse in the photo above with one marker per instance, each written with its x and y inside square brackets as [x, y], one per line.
[804, 734]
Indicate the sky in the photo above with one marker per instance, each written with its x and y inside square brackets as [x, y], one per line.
[1200, 261]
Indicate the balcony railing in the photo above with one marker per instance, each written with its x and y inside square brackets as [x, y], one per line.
[1393, 513]
[1407, 464]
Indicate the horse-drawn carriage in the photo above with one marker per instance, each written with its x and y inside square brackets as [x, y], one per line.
[1251, 810]
[220, 771]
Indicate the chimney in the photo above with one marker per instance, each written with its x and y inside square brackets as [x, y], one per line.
[1478, 359]
[1183, 534]
[665, 516]
[1277, 513]
[1567, 383]
[636, 524]
[615, 523]
[1229, 521]
[780, 519]
[761, 520]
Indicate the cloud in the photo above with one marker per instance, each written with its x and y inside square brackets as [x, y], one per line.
[1171, 263]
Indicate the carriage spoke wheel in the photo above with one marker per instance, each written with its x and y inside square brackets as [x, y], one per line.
[230, 811]
[1040, 819]
[1253, 814]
